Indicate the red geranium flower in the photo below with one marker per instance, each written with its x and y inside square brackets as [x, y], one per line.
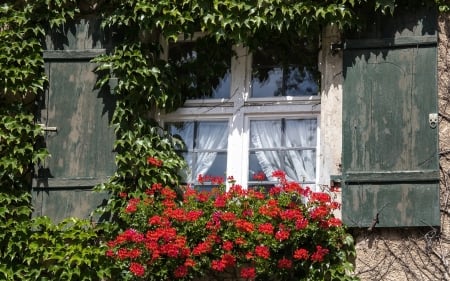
[137, 269]
[248, 272]
[301, 254]
[319, 254]
[154, 161]
[262, 251]
[284, 263]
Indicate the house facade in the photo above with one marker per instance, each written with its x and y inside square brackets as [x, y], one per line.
[365, 112]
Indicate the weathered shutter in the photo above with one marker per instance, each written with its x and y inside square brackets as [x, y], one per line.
[76, 119]
[390, 145]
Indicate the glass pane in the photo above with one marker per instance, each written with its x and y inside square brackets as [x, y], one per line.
[300, 165]
[301, 133]
[186, 174]
[265, 133]
[211, 164]
[183, 131]
[201, 70]
[300, 82]
[212, 135]
[285, 66]
[262, 164]
[222, 90]
[267, 82]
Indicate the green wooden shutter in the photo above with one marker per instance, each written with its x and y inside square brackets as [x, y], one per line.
[76, 117]
[390, 149]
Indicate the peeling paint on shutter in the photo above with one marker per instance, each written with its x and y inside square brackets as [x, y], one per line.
[390, 149]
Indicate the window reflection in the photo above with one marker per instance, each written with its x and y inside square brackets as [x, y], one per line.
[285, 69]
[202, 68]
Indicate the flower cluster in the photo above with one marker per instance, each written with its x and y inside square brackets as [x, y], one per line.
[287, 231]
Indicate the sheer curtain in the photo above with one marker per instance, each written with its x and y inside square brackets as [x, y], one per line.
[301, 164]
[298, 164]
[211, 135]
[267, 134]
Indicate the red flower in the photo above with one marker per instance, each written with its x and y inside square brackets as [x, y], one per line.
[201, 248]
[123, 194]
[194, 215]
[262, 251]
[154, 161]
[220, 202]
[275, 190]
[320, 197]
[301, 254]
[249, 255]
[239, 241]
[282, 235]
[266, 228]
[284, 263]
[189, 263]
[180, 271]
[227, 245]
[319, 254]
[248, 272]
[122, 254]
[228, 259]
[279, 174]
[228, 216]
[218, 265]
[260, 176]
[319, 212]
[137, 269]
[134, 253]
[334, 222]
[244, 225]
[301, 223]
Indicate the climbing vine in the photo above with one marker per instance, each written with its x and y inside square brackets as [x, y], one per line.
[145, 82]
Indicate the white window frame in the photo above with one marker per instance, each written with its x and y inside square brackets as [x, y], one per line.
[240, 108]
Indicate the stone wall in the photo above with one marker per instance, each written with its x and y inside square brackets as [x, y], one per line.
[416, 254]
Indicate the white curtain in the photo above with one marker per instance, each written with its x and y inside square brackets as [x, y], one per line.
[211, 135]
[299, 165]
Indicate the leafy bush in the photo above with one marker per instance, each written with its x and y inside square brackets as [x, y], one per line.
[288, 233]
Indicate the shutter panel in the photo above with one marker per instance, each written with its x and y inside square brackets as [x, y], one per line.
[76, 117]
[390, 150]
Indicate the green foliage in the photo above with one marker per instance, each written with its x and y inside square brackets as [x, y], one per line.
[37, 249]
[18, 135]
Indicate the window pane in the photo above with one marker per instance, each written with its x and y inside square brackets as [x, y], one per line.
[286, 144]
[285, 67]
[267, 82]
[257, 168]
[300, 165]
[202, 69]
[205, 153]
[301, 133]
[212, 135]
[265, 134]
[183, 131]
[211, 164]
[300, 82]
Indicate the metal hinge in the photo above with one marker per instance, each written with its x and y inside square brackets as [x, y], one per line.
[48, 129]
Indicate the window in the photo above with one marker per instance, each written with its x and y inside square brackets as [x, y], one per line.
[205, 146]
[202, 72]
[285, 69]
[260, 116]
[284, 144]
